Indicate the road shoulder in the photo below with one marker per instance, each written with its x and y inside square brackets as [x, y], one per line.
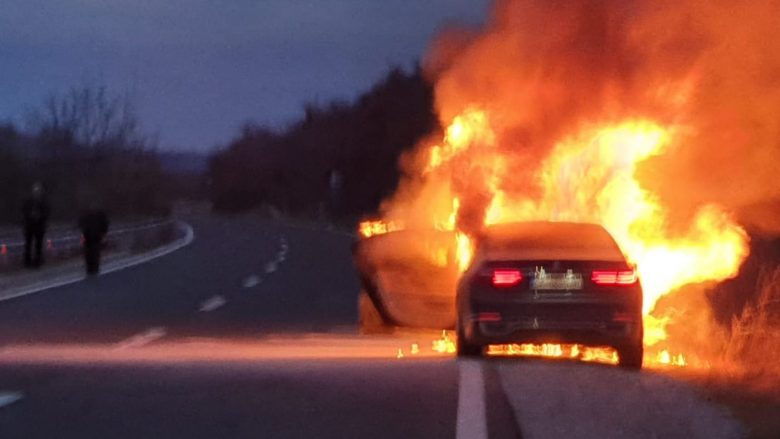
[575, 400]
[25, 283]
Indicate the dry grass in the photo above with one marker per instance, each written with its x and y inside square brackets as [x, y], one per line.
[754, 341]
[749, 381]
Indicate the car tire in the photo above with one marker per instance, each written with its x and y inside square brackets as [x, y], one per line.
[630, 357]
[369, 319]
[466, 349]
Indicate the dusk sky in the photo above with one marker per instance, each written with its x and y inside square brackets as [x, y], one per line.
[198, 69]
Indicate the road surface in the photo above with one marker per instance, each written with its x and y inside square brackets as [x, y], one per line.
[250, 332]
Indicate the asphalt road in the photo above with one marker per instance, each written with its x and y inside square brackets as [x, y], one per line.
[247, 332]
[250, 332]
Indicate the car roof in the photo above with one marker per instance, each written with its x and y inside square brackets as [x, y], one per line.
[548, 240]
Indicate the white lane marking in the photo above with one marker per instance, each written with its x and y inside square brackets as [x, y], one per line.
[109, 267]
[283, 247]
[142, 339]
[281, 255]
[252, 281]
[271, 267]
[8, 398]
[212, 304]
[472, 420]
[189, 236]
[43, 285]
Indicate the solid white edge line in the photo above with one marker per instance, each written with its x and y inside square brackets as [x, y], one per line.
[189, 236]
[8, 398]
[471, 417]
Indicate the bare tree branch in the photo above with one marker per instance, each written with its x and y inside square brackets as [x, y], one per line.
[92, 117]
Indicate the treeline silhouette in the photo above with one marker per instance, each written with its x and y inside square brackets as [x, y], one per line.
[361, 141]
[85, 146]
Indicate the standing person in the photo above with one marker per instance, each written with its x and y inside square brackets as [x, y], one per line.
[94, 226]
[35, 214]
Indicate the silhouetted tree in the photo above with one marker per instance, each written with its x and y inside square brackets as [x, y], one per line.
[362, 140]
[85, 143]
[12, 173]
[90, 117]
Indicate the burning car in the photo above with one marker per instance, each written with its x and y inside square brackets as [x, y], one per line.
[550, 282]
[408, 279]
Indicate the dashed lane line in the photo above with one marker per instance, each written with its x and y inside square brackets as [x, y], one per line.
[212, 304]
[252, 281]
[471, 421]
[8, 398]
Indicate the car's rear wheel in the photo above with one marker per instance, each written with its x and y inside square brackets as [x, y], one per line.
[630, 357]
[464, 348]
[369, 319]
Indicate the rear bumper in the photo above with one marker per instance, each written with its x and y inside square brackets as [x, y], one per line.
[598, 323]
[614, 335]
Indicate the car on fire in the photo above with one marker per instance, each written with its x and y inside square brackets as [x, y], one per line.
[408, 279]
[536, 282]
[550, 282]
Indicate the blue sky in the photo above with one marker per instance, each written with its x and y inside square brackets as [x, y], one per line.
[198, 69]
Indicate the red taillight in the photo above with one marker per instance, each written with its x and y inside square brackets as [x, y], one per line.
[506, 278]
[623, 317]
[489, 317]
[620, 277]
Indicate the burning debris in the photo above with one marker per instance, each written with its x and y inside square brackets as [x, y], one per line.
[563, 351]
[658, 120]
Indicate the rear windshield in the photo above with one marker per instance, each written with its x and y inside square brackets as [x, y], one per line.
[550, 240]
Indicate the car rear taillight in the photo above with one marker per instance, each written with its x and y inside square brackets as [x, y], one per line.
[617, 277]
[488, 317]
[506, 278]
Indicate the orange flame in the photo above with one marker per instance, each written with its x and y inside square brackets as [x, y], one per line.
[631, 117]
[551, 350]
[590, 177]
[368, 229]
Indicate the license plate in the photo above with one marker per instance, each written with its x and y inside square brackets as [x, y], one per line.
[557, 281]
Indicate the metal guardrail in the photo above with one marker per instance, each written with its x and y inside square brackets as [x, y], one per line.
[131, 238]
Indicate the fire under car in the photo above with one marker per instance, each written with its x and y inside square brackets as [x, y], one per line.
[550, 282]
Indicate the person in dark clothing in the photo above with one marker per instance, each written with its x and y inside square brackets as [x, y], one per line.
[35, 215]
[94, 226]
